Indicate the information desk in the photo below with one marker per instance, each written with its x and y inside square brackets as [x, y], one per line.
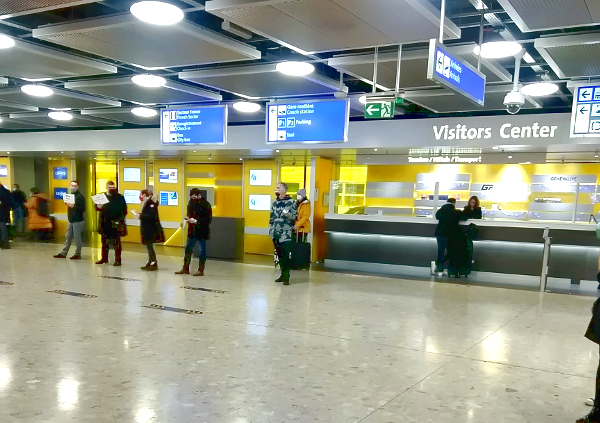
[407, 246]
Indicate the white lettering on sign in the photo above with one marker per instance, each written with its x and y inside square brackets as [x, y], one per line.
[444, 159]
[563, 178]
[462, 132]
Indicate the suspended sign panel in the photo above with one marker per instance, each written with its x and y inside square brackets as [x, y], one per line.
[585, 118]
[461, 77]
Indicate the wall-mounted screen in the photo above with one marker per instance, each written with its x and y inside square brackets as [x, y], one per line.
[318, 121]
[260, 202]
[169, 198]
[198, 125]
[132, 196]
[132, 174]
[61, 173]
[261, 177]
[167, 176]
[3, 171]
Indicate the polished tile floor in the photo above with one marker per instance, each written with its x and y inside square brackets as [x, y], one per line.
[328, 348]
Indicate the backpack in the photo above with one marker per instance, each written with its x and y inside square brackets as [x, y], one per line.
[43, 208]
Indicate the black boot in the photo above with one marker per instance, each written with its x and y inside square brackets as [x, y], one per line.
[185, 270]
[592, 417]
[201, 267]
[146, 266]
[152, 267]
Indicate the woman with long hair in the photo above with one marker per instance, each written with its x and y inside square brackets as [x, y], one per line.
[150, 228]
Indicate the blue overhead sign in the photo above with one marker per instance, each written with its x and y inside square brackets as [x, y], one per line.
[454, 74]
[199, 125]
[314, 121]
[585, 118]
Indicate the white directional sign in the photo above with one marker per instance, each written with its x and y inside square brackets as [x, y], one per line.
[585, 118]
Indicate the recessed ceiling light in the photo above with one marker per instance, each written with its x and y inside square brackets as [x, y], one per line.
[149, 81]
[0, 120]
[209, 158]
[246, 107]
[124, 151]
[539, 89]
[277, 151]
[194, 151]
[6, 41]
[156, 12]
[295, 68]
[510, 156]
[495, 147]
[37, 90]
[64, 109]
[374, 149]
[143, 112]
[241, 158]
[498, 49]
[64, 116]
[362, 99]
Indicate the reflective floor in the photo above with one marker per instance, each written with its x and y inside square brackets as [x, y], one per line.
[87, 343]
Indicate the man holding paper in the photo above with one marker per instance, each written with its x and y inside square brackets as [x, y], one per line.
[113, 209]
[76, 210]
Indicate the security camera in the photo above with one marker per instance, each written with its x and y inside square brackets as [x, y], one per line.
[513, 101]
[340, 94]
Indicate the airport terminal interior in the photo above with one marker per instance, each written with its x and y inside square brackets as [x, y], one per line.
[438, 256]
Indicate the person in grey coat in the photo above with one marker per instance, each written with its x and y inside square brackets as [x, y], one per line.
[284, 212]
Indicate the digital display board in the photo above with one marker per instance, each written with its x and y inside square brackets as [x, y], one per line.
[3, 170]
[200, 125]
[318, 121]
[132, 196]
[259, 202]
[167, 176]
[61, 173]
[168, 198]
[59, 193]
[132, 174]
[260, 177]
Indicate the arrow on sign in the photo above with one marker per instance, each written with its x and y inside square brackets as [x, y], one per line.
[372, 109]
[583, 110]
[585, 94]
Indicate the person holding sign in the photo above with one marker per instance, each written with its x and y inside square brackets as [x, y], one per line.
[113, 209]
[281, 225]
[75, 213]
[150, 228]
[198, 219]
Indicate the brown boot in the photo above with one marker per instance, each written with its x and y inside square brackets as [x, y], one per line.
[201, 267]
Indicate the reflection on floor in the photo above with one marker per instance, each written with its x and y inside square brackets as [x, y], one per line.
[87, 343]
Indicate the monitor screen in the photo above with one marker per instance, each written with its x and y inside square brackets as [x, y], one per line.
[260, 177]
[132, 196]
[260, 202]
[59, 192]
[61, 173]
[169, 198]
[318, 121]
[132, 174]
[167, 176]
[199, 125]
[3, 171]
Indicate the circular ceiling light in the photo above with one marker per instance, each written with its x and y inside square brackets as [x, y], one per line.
[6, 41]
[539, 89]
[246, 107]
[0, 120]
[362, 99]
[37, 90]
[149, 81]
[156, 12]
[498, 49]
[143, 112]
[64, 116]
[295, 68]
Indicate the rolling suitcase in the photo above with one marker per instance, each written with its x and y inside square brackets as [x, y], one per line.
[297, 253]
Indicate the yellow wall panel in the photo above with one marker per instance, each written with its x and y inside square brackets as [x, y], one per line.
[133, 232]
[227, 182]
[7, 180]
[258, 244]
[172, 213]
[58, 206]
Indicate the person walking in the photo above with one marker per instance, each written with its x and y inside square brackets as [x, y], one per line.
[281, 224]
[448, 220]
[5, 205]
[302, 226]
[75, 215]
[150, 228]
[18, 205]
[112, 223]
[593, 334]
[198, 219]
[38, 214]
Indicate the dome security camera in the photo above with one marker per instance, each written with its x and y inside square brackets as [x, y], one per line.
[513, 101]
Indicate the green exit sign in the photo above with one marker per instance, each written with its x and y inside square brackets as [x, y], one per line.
[379, 109]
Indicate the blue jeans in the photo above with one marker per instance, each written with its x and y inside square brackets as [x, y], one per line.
[442, 243]
[19, 220]
[191, 243]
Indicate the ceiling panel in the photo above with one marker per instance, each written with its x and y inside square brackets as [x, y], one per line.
[11, 8]
[60, 99]
[326, 25]
[32, 61]
[122, 114]
[124, 89]
[262, 81]
[78, 121]
[541, 15]
[571, 56]
[16, 124]
[413, 72]
[7, 107]
[129, 40]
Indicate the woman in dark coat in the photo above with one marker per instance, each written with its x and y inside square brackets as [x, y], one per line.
[473, 209]
[199, 218]
[593, 334]
[150, 228]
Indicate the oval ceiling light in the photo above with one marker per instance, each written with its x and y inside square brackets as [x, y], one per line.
[149, 81]
[37, 90]
[6, 41]
[498, 49]
[156, 12]
[362, 99]
[144, 112]
[60, 116]
[246, 107]
[539, 89]
[295, 68]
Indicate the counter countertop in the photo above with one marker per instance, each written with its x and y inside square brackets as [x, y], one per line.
[478, 222]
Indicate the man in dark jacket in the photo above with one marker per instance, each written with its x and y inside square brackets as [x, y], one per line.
[112, 223]
[593, 334]
[18, 205]
[284, 212]
[448, 218]
[199, 218]
[75, 213]
[5, 201]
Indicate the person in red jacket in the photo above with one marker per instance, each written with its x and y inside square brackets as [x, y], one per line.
[199, 218]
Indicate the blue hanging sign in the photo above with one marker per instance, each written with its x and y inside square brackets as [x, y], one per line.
[195, 125]
[459, 76]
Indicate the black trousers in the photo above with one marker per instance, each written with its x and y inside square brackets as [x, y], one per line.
[284, 264]
[597, 396]
[151, 253]
[115, 238]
